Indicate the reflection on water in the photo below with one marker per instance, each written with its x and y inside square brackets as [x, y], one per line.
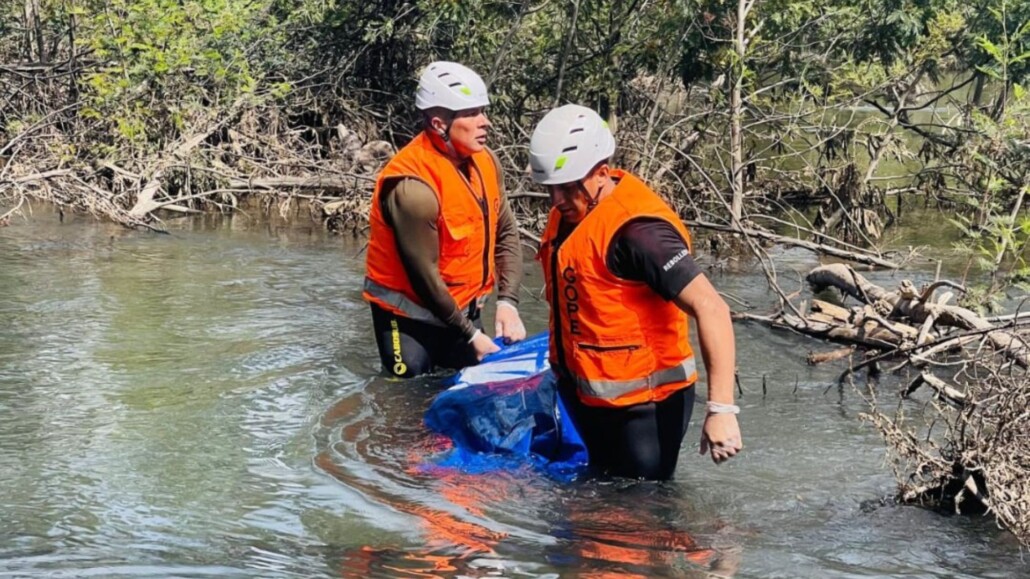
[374, 443]
[206, 403]
[495, 520]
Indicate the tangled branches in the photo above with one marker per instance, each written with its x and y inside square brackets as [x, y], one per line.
[246, 151]
[967, 448]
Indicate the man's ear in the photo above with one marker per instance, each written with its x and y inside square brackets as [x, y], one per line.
[438, 125]
[601, 171]
[438, 119]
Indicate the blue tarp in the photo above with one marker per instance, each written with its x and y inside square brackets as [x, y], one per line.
[505, 413]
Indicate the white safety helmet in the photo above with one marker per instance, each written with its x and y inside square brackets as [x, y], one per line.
[451, 86]
[569, 142]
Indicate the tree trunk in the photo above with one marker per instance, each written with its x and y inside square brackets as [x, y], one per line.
[978, 94]
[564, 56]
[736, 111]
[33, 33]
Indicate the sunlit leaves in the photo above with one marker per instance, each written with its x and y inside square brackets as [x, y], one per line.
[163, 58]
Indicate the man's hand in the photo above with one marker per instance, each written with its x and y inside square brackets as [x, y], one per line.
[721, 435]
[483, 345]
[508, 324]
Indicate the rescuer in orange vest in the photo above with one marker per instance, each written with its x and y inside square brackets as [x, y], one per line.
[441, 234]
[622, 286]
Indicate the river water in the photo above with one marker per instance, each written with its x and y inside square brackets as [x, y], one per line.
[206, 403]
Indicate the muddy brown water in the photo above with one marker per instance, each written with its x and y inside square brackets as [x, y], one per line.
[206, 403]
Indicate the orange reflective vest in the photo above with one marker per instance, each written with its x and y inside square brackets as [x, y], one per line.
[618, 340]
[467, 224]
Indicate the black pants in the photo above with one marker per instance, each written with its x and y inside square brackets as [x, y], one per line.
[408, 347]
[639, 441]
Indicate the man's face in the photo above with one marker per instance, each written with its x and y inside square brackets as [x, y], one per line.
[573, 199]
[468, 131]
[570, 200]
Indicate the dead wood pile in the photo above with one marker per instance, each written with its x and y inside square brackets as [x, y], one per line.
[959, 438]
[251, 153]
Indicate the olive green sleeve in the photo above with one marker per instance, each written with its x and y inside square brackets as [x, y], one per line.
[411, 209]
[508, 252]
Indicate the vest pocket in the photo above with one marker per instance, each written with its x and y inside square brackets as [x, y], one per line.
[614, 360]
[456, 242]
[601, 348]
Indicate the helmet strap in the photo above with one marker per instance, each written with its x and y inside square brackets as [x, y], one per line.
[445, 133]
[591, 199]
[445, 136]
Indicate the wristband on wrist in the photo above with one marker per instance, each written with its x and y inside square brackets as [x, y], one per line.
[473, 338]
[720, 408]
[508, 304]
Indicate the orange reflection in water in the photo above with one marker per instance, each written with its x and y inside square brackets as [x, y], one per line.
[616, 541]
[610, 540]
[450, 540]
[367, 562]
[658, 548]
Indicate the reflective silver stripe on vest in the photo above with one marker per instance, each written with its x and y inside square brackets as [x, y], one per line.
[612, 389]
[408, 308]
[401, 302]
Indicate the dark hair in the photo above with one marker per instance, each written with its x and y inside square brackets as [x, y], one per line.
[428, 114]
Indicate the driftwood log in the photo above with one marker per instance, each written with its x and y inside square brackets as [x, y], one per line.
[917, 306]
[907, 318]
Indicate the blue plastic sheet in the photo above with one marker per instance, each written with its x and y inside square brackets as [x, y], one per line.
[505, 413]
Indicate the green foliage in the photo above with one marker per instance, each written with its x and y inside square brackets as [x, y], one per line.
[151, 71]
[154, 66]
[999, 32]
[998, 247]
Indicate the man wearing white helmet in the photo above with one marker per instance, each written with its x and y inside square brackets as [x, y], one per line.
[622, 286]
[441, 234]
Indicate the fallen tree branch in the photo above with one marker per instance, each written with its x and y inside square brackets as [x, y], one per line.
[145, 202]
[876, 338]
[942, 389]
[532, 194]
[37, 177]
[5, 218]
[815, 358]
[527, 233]
[866, 258]
[317, 182]
[946, 343]
[911, 306]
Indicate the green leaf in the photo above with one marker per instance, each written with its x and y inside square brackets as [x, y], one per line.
[990, 48]
[1024, 226]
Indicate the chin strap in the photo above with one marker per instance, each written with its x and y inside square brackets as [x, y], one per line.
[591, 199]
[445, 134]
